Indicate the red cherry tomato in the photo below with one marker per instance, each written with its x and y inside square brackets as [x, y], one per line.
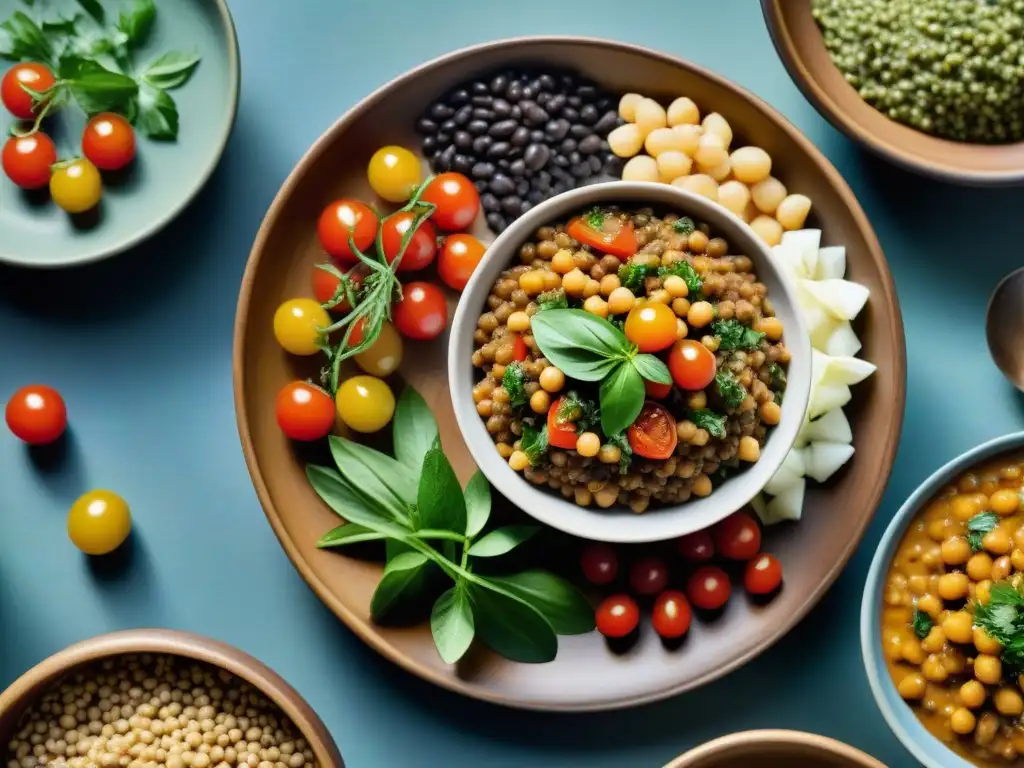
[762, 575]
[620, 242]
[27, 160]
[617, 616]
[600, 563]
[422, 245]
[696, 547]
[671, 614]
[738, 537]
[519, 349]
[708, 587]
[422, 313]
[456, 199]
[459, 256]
[652, 327]
[653, 434]
[304, 412]
[343, 219]
[561, 434]
[656, 390]
[325, 285]
[109, 142]
[692, 364]
[356, 338]
[18, 101]
[37, 414]
[648, 576]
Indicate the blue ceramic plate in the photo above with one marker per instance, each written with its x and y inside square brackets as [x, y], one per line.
[930, 751]
[164, 177]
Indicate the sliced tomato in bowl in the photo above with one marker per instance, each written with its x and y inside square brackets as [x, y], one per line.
[613, 236]
[561, 434]
[653, 434]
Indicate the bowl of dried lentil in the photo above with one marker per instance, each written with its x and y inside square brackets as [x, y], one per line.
[698, 454]
[158, 697]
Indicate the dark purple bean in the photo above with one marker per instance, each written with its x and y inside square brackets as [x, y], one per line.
[595, 163]
[603, 104]
[503, 165]
[534, 115]
[561, 161]
[510, 205]
[608, 121]
[498, 84]
[443, 139]
[502, 185]
[483, 101]
[502, 129]
[481, 186]
[479, 113]
[463, 140]
[482, 170]
[489, 202]
[590, 145]
[538, 137]
[464, 115]
[501, 108]
[536, 156]
[444, 162]
[535, 84]
[426, 126]
[499, 149]
[462, 163]
[568, 145]
[588, 114]
[581, 170]
[441, 111]
[477, 127]
[613, 166]
[522, 188]
[496, 222]
[571, 115]
[524, 207]
[604, 146]
[543, 99]
[518, 167]
[517, 113]
[481, 143]
[580, 131]
[558, 188]
[514, 92]
[556, 104]
[587, 92]
[556, 129]
[567, 81]
[575, 158]
[535, 196]
[449, 126]
[429, 145]
[479, 87]
[575, 102]
[547, 82]
[529, 92]
[458, 97]
[520, 137]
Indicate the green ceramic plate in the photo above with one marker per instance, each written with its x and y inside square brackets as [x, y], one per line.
[164, 177]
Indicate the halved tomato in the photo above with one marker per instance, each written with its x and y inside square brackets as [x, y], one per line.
[613, 236]
[561, 434]
[519, 349]
[653, 434]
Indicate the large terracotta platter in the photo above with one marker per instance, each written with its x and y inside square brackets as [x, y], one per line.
[586, 675]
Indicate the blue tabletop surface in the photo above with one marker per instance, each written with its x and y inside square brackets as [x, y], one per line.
[141, 348]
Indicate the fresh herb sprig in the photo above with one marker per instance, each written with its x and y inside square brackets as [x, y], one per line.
[584, 413]
[1002, 618]
[732, 334]
[589, 348]
[413, 501]
[707, 419]
[978, 526]
[555, 299]
[922, 624]
[534, 442]
[514, 382]
[731, 390]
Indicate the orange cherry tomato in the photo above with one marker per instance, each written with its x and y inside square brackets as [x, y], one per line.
[422, 244]
[459, 256]
[325, 285]
[561, 434]
[304, 412]
[671, 614]
[621, 242]
[32, 75]
[456, 199]
[652, 327]
[653, 434]
[422, 313]
[343, 219]
[519, 349]
[27, 159]
[109, 142]
[656, 390]
[36, 414]
[692, 365]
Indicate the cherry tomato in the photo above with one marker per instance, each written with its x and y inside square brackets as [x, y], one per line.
[297, 325]
[738, 537]
[422, 313]
[18, 101]
[459, 256]
[37, 414]
[696, 547]
[671, 614]
[617, 616]
[27, 160]
[621, 241]
[656, 390]
[648, 576]
[653, 434]
[325, 285]
[365, 403]
[109, 142]
[356, 336]
[304, 412]
[561, 434]
[422, 245]
[600, 563]
[394, 173]
[692, 365]
[456, 199]
[77, 186]
[344, 219]
[519, 349]
[385, 354]
[99, 522]
[762, 575]
[651, 326]
[708, 587]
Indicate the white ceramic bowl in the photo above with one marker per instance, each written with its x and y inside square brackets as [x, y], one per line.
[619, 524]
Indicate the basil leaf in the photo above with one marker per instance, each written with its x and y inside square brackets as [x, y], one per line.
[478, 503]
[349, 503]
[534, 442]
[94, 9]
[503, 540]
[440, 502]
[558, 600]
[403, 580]
[684, 225]
[137, 23]
[652, 369]
[511, 627]
[171, 70]
[62, 25]
[414, 430]
[96, 88]
[622, 399]
[394, 547]
[349, 533]
[157, 114]
[578, 342]
[451, 623]
[376, 476]
[27, 41]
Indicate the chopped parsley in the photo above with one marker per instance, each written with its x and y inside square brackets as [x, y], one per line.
[534, 442]
[707, 419]
[922, 624]
[778, 374]
[733, 334]
[555, 299]
[594, 218]
[684, 225]
[584, 413]
[685, 270]
[625, 450]
[978, 526]
[1002, 618]
[633, 274]
[732, 392]
[514, 382]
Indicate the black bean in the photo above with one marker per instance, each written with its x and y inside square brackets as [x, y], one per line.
[535, 115]
[535, 85]
[477, 127]
[429, 145]
[595, 163]
[510, 205]
[556, 104]
[502, 185]
[489, 202]
[607, 122]
[458, 97]
[590, 145]
[443, 139]
[556, 129]
[481, 185]
[558, 188]
[567, 81]
[496, 222]
[536, 156]
[568, 145]
[525, 206]
[535, 196]
[479, 113]
[517, 168]
[529, 91]
[522, 187]
[481, 143]
[498, 84]
[441, 111]
[479, 87]
[571, 115]
[517, 113]
[580, 131]
[543, 99]
[502, 129]
[581, 170]
[561, 161]
[464, 115]
[604, 146]
[449, 126]
[575, 158]
[501, 108]
[575, 102]
[426, 126]
[462, 163]
[588, 114]
[544, 177]
[538, 137]
[483, 101]
[546, 81]
[482, 170]
[503, 165]
[587, 92]
[520, 137]
[498, 149]
[514, 92]
[444, 162]
[613, 166]
[463, 140]
[603, 104]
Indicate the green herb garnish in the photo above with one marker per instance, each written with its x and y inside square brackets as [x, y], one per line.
[922, 624]
[584, 413]
[555, 299]
[685, 270]
[684, 225]
[594, 218]
[732, 392]
[732, 334]
[434, 531]
[633, 274]
[514, 382]
[707, 419]
[625, 450]
[1002, 618]
[778, 374]
[978, 526]
[534, 442]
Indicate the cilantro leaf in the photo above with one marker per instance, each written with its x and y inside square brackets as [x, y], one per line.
[625, 450]
[685, 270]
[1002, 618]
[922, 624]
[778, 374]
[684, 225]
[584, 413]
[707, 419]
[978, 526]
[555, 299]
[534, 442]
[594, 218]
[137, 23]
[632, 275]
[732, 392]
[514, 382]
[734, 335]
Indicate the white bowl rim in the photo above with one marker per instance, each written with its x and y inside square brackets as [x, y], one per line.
[871, 646]
[618, 524]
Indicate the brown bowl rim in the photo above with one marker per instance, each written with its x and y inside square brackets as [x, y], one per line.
[364, 629]
[724, 744]
[829, 108]
[191, 646]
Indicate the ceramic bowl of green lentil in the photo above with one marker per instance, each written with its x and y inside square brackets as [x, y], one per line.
[622, 349]
[936, 86]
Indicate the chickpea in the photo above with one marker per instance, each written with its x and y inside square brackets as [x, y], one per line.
[996, 541]
[749, 449]
[518, 322]
[626, 140]
[953, 586]
[718, 172]
[912, 686]
[562, 262]
[955, 551]
[641, 168]
[681, 328]
[972, 694]
[979, 567]
[771, 327]
[701, 485]
[588, 444]
[985, 644]
[735, 196]
[934, 641]
[1004, 502]
[532, 282]
[964, 508]
[698, 400]
[689, 138]
[930, 604]
[575, 282]
[750, 164]
[627, 106]
[792, 211]
[710, 151]
[650, 115]
[913, 652]
[518, 461]
[609, 454]
[988, 727]
[552, 280]
[1008, 702]
[504, 450]
[595, 305]
[700, 184]
[681, 306]
[767, 194]
[659, 296]
[701, 313]
[1001, 568]
[957, 627]
[770, 412]
[675, 286]
[661, 141]
[933, 669]
[540, 401]
[962, 721]
[683, 111]
[1017, 559]
[768, 229]
[552, 379]
[982, 591]
[988, 668]
[673, 163]
[621, 301]
[718, 125]
[639, 505]
[608, 284]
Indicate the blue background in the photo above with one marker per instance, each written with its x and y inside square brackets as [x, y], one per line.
[141, 348]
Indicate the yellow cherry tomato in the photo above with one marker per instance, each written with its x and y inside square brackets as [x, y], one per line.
[394, 173]
[99, 522]
[385, 355]
[76, 187]
[297, 325]
[365, 403]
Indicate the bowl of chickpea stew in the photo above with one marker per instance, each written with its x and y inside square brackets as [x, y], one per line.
[696, 430]
[942, 619]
